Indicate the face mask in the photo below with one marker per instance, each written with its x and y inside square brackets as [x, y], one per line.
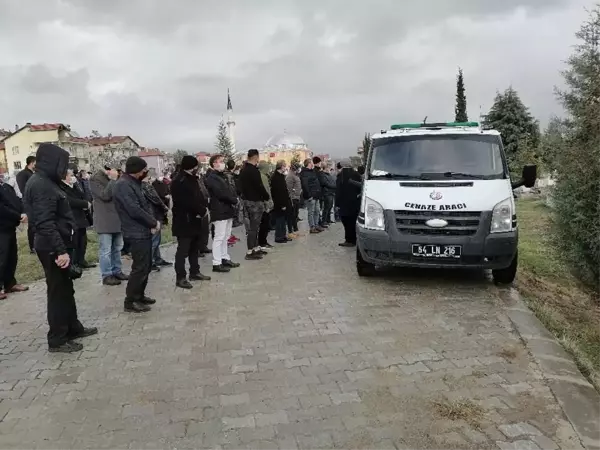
[220, 167]
[285, 172]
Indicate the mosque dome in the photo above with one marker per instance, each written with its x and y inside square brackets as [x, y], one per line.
[285, 140]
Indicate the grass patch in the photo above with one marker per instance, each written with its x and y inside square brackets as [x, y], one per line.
[463, 409]
[568, 309]
[29, 268]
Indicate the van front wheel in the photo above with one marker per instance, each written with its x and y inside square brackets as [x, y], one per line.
[363, 268]
[508, 274]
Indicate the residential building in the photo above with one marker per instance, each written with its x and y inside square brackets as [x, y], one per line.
[3, 163]
[157, 161]
[26, 140]
[111, 150]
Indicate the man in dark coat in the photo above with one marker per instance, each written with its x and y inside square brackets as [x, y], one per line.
[282, 203]
[347, 200]
[137, 225]
[328, 187]
[223, 202]
[11, 216]
[190, 207]
[22, 177]
[108, 226]
[49, 212]
[254, 196]
[160, 211]
[312, 193]
[79, 207]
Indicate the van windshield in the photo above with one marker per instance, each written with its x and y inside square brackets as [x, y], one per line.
[452, 156]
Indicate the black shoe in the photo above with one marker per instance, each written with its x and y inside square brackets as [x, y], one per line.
[155, 268]
[267, 245]
[347, 244]
[229, 263]
[136, 307]
[221, 269]
[86, 332]
[204, 251]
[184, 284]
[111, 280]
[67, 347]
[164, 263]
[147, 301]
[121, 276]
[282, 241]
[199, 277]
[254, 256]
[87, 265]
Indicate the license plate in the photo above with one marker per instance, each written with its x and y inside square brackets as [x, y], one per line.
[436, 251]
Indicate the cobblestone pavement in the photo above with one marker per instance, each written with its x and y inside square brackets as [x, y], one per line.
[294, 351]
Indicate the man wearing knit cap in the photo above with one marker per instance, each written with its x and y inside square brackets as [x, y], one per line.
[190, 209]
[138, 225]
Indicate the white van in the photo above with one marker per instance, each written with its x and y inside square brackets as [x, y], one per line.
[439, 195]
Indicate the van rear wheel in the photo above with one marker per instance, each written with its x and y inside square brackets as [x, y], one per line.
[508, 274]
[364, 268]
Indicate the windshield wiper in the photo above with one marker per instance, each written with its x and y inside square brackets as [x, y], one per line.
[464, 175]
[393, 176]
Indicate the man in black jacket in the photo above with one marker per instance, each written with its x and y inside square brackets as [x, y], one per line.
[11, 216]
[223, 201]
[190, 209]
[312, 193]
[254, 196]
[160, 211]
[328, 188]
[137, 225]
[282, 202]
[347, 199]
[80, 208]
[49, 213]
[22, 177]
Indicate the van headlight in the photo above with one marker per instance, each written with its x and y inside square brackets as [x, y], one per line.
[502, 217]
[374, 219]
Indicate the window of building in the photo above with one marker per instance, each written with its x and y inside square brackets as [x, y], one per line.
[17, 165]
[15, 150]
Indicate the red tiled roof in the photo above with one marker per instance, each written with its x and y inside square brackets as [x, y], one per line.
[150, 152]
[77, 139]
[47, 127]
[108, 140]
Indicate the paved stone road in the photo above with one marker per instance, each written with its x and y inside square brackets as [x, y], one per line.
[294, 351]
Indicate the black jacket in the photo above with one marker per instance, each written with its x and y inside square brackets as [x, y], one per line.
[22, 178]
[84, 186]
[279, 192]
[46, 204]
[328, 185]
[189, 205]
[349, 188]
[162, 189]
[222, 196]
[135, 213]
[158, 207]
[311, 186]
[78, 203]
[251, 184]
[11, 208]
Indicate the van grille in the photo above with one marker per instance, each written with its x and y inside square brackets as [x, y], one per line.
[460, 223]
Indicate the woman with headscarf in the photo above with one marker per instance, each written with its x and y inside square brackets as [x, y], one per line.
[265, 223]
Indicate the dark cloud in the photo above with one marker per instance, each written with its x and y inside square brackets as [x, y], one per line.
[327, 70]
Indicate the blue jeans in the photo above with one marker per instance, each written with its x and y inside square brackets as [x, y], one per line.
[110, 253]
[312, 208]
[280, 223]
[156, 238]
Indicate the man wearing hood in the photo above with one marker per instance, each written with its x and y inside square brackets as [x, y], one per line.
[49, 213]
[347, 200]
[138, 224]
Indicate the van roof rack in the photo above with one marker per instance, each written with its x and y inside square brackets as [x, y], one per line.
[400, 126]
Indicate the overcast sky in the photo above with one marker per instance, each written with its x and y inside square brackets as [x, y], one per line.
[327, 70]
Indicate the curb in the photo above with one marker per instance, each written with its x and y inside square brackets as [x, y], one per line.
[578, 399]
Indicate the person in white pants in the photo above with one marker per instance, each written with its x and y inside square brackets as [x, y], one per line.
[223, 201]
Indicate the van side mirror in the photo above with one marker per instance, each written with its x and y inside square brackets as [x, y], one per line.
[528, 177]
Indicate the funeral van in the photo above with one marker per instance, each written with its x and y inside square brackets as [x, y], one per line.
[439, 195]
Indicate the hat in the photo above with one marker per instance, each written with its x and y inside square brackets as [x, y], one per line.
[189, 162]
[135, 164]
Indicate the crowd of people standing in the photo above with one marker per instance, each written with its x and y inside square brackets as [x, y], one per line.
[129, 210]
